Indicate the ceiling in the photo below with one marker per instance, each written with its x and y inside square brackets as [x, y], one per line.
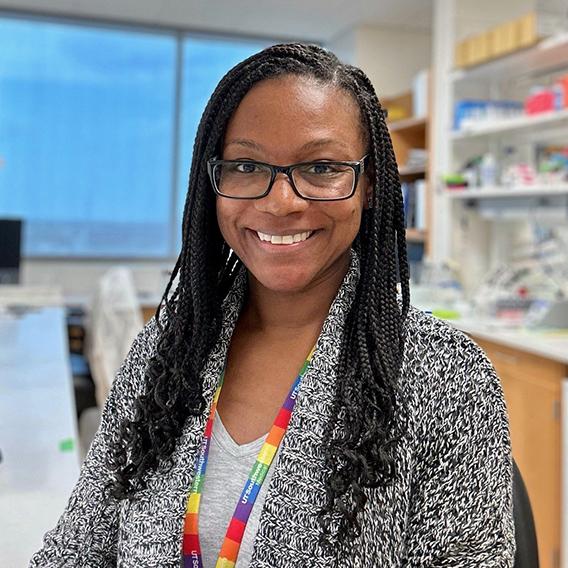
[315, 20]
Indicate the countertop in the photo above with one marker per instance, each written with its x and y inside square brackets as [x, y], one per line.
[546, 343]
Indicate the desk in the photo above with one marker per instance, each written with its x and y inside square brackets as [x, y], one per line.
[37, 417]
[548, 344]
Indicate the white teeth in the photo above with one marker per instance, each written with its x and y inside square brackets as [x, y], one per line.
[284, 239]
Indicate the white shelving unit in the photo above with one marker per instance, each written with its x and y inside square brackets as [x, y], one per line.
[407, 123]
[412, 171]
[508, 192]
[475, 241]
[543, 122]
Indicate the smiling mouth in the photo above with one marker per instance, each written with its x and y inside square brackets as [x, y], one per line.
[284, 239]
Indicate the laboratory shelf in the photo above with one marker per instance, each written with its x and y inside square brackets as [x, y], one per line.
[414, 123]
[546, 55]
[512, 192]
[416, 235]
[406, 172]
[544, 120]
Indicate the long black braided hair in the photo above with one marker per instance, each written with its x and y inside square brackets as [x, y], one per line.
[359, 454]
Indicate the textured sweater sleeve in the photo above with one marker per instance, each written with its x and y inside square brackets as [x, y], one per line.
[461, 504]
[86, 533]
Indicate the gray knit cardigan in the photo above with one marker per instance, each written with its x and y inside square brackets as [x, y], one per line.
[450, 504]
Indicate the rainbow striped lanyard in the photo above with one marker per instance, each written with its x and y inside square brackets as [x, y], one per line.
[234, 536]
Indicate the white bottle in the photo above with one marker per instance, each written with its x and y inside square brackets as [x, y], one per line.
[508, 163]
[488, 170]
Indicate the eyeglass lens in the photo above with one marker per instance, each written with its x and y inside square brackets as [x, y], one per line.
[317, 180]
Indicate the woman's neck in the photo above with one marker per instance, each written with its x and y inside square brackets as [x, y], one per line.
[273, 312]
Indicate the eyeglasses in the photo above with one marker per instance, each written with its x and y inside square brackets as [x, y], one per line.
[315, 181]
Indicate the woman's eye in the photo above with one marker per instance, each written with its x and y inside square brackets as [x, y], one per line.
[246, 168]
[321, 169]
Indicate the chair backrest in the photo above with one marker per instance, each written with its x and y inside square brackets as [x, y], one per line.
[116, 319]
[526, 555]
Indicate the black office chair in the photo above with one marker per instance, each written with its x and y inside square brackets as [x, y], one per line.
[525, 533]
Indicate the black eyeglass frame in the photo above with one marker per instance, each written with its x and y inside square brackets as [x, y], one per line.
[358, 168]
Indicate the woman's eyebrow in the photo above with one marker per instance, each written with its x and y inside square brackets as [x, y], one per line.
[315, 144]
[311, 145]
[246, 143]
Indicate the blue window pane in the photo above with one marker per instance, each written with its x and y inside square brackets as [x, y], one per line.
[205, 61]
[86, 127]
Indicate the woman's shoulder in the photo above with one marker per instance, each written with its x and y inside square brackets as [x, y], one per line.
[428, 337]
[129, 381]
[440, 360]
[145, 343]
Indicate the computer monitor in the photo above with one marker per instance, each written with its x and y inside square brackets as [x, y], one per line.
[10, 250]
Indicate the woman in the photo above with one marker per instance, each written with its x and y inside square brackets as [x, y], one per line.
[395, 448]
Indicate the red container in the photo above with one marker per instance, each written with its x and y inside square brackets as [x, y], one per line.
[543, 101]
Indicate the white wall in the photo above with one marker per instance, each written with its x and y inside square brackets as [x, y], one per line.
[391, 57]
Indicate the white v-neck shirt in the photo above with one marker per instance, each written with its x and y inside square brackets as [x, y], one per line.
[228, 468]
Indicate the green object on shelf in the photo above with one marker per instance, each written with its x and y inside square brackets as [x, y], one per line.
[455, 179]
[446, 314]
[67, 445]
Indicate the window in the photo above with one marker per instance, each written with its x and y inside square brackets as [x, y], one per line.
[87, 133]
[86, 138]
[205, 61]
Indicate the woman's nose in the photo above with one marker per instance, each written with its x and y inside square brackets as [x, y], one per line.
[282, 199]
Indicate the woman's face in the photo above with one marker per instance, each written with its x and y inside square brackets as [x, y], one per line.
[285, 121]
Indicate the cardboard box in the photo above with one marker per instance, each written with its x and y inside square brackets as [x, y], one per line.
[473, 50]
[469, 52]
[535, 26]
[494, 43]
[483, 47]
[526, 29]
[509, 37]
[399, 107]
[462, 53]
[459, 54]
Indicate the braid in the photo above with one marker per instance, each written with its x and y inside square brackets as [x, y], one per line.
[371, 353]
[358, 446]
